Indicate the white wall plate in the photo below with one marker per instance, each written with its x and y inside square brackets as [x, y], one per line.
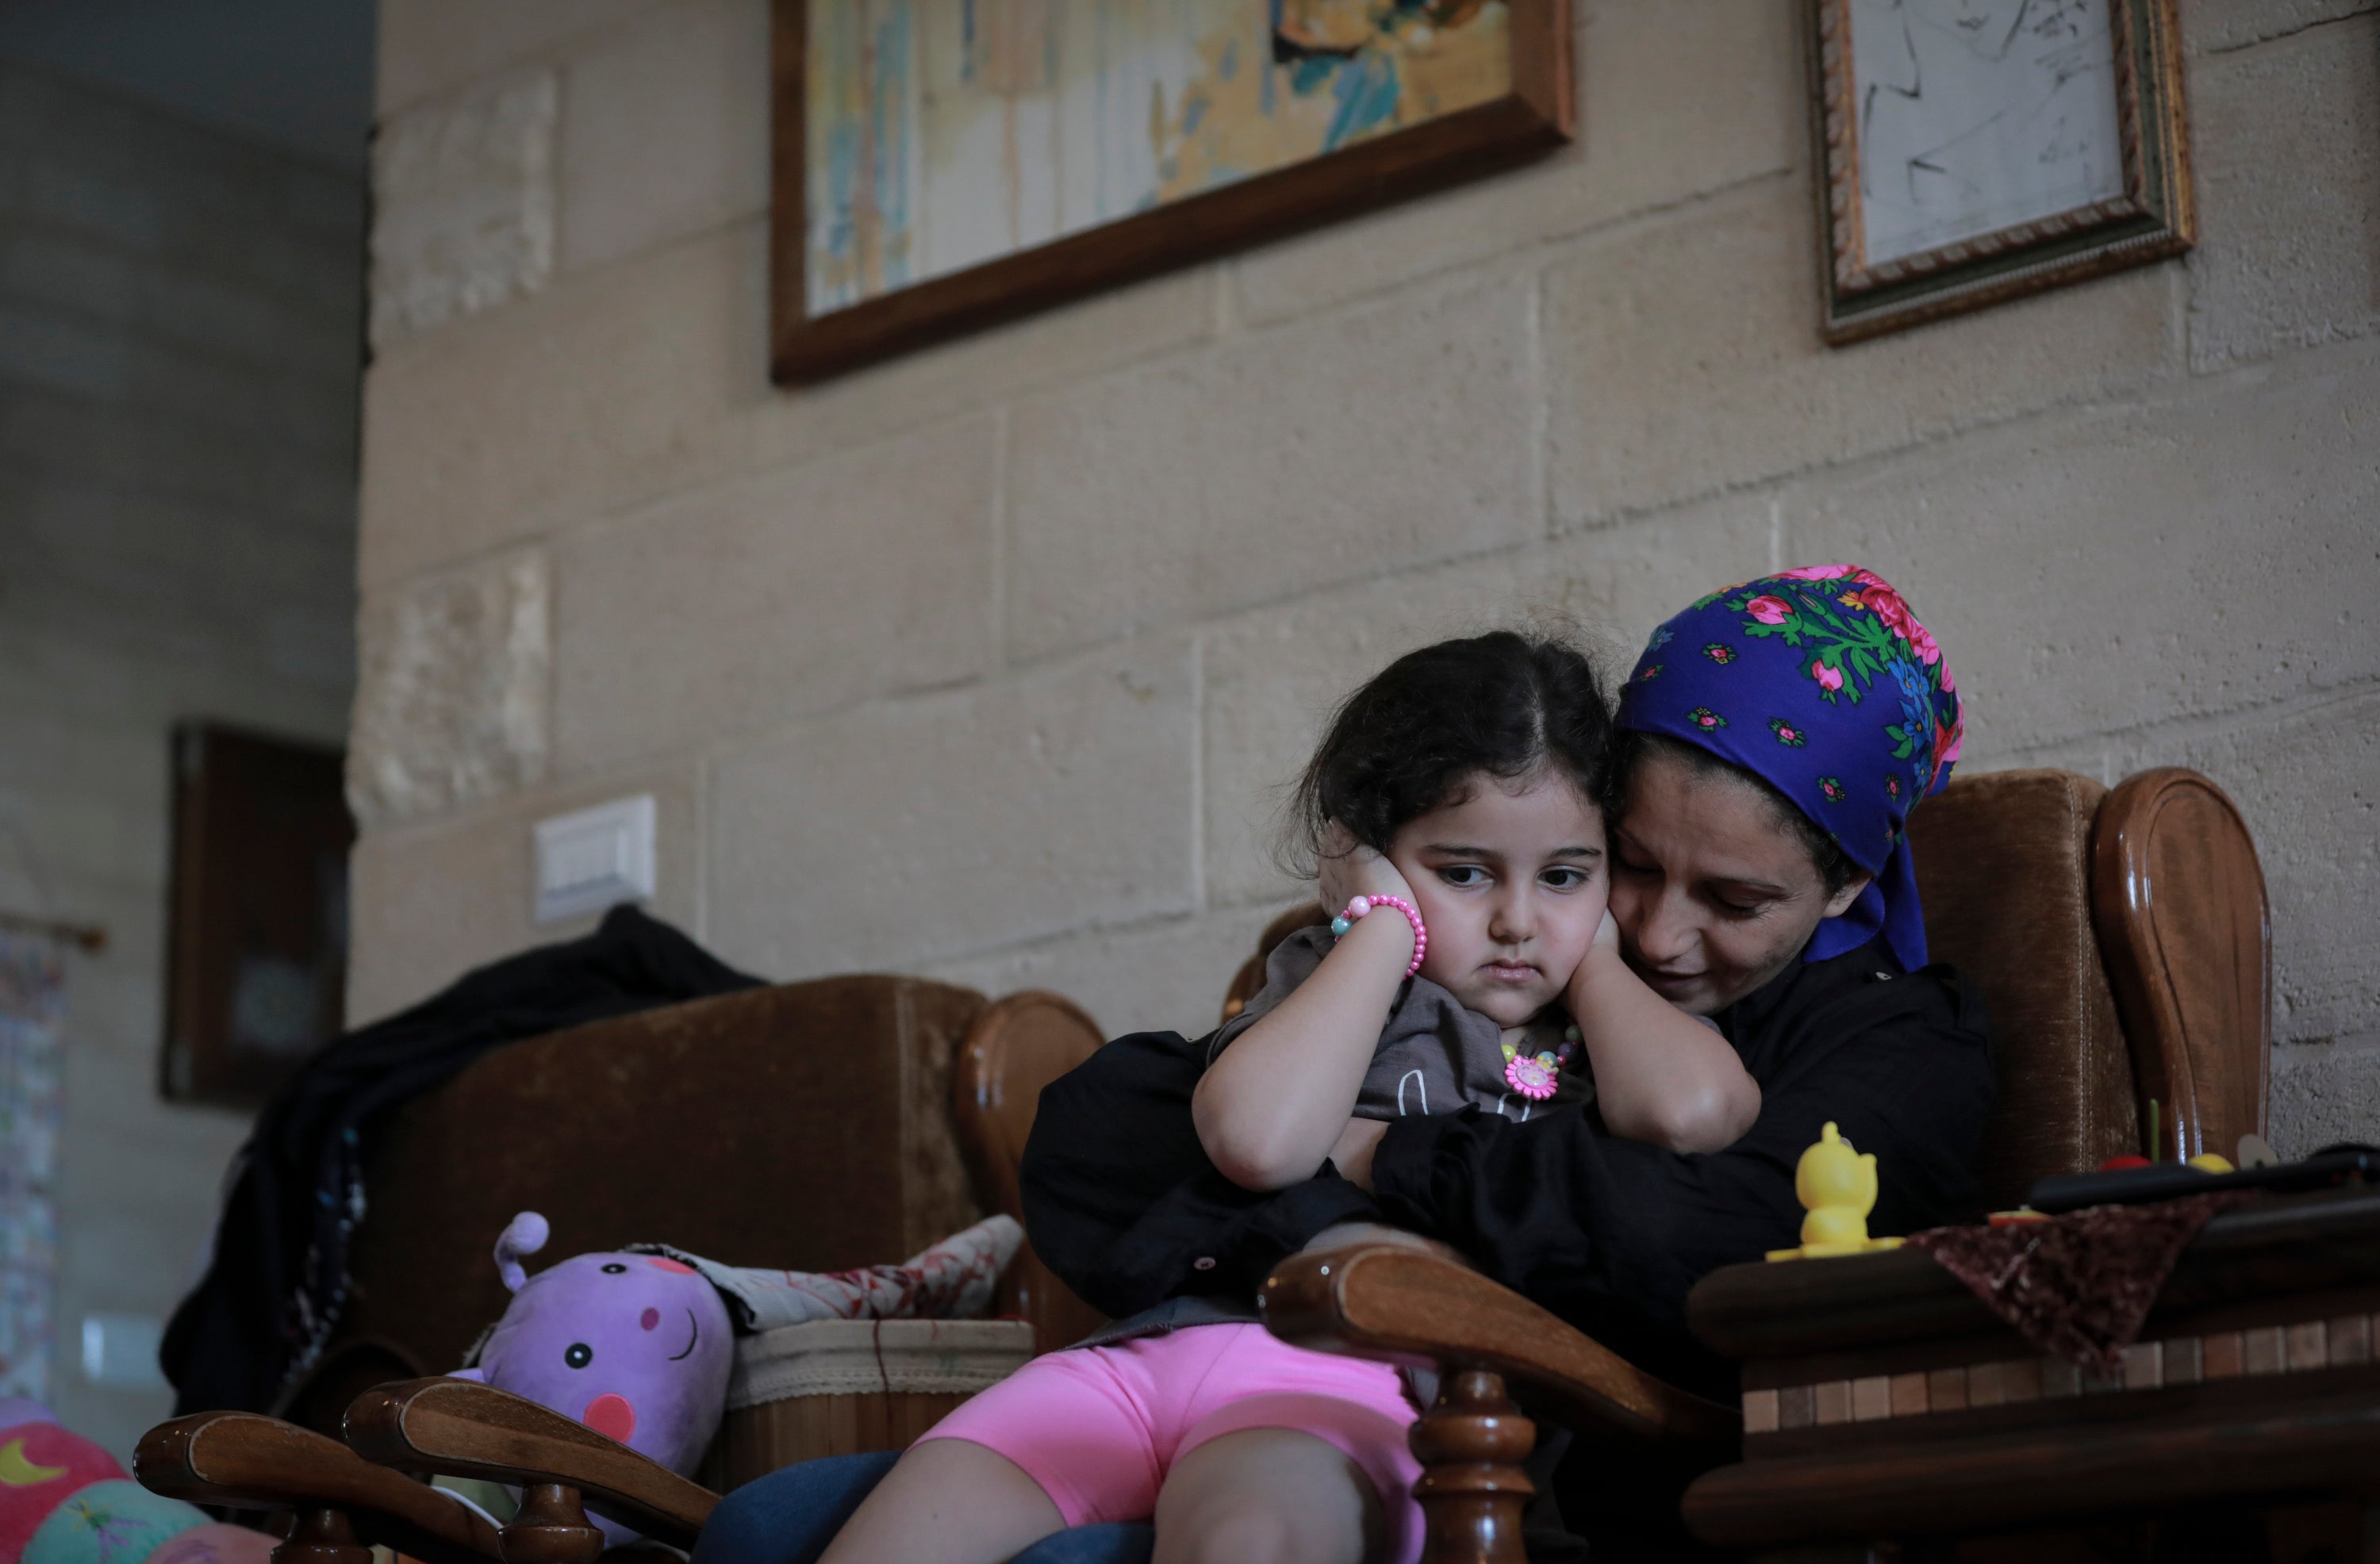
[593, 858]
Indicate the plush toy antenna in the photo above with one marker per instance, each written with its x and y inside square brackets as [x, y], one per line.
[525, 1234]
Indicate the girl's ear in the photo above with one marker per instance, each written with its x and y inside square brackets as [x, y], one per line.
[1840, 902]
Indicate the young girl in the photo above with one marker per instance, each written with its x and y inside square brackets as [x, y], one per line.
[1452, 809]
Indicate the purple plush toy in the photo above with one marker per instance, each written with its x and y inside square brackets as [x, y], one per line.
[635, 1346]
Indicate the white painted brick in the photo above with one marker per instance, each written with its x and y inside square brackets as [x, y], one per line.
[55, 352]
[2285, 139]
[665, 131]
[1103, 331]
[1274, 675]
[2218, 25]
[1617, 583]
[928, 827]
[429, 46]
[159, 564]
[463, 205]
[76, 199]
[436, 899]
[748, 605]
[454, 697]
[1367, 443]
[258, 403]
[326, 204]
[125, 450]
[2307, 780]
[1685, 359]
[1674, 102]
[613, 387]
[2091, 573]
[2323, 1093]
[171, 549]
[1167, 977]
[137, 1183]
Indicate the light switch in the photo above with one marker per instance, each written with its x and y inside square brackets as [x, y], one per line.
[592, 858]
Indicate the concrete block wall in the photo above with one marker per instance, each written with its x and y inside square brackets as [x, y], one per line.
[987, 663]
[181, 317]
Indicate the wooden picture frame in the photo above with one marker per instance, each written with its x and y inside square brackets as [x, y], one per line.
[1909, 234]
[1534, 114]
[256, 959]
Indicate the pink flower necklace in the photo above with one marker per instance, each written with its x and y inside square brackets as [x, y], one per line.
[1534, 1077]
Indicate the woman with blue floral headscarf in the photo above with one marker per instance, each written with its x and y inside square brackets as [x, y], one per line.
[1776, 735]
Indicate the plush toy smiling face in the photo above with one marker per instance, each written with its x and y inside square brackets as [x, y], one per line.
[636, 1346]
[628, 1344]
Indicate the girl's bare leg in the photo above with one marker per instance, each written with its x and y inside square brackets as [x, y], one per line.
[1267, 1496]
[948, 1501]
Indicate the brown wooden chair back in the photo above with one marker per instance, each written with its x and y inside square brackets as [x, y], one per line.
[2120, 940]
[2003, 864]
[2178, 898]
[1019, 1045]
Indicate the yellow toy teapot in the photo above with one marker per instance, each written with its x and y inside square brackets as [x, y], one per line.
[1836, 1184]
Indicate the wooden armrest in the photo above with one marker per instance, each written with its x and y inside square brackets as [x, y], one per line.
[245, 1461]
[1387, 1301]
[466, 1429]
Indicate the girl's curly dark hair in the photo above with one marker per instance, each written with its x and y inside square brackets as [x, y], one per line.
[1504, 703]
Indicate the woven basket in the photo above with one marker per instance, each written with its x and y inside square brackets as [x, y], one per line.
[843, 1387]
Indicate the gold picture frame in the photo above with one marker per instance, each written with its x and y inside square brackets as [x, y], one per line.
[1528, 113]
[1972, 152]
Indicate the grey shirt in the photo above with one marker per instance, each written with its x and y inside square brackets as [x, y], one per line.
[1435, 1055]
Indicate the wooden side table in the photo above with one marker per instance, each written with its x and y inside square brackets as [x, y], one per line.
[1884, 1404]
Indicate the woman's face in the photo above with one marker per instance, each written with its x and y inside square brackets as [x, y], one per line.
[1712, 896]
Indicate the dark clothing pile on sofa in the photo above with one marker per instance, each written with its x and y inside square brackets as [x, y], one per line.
[277, 1278]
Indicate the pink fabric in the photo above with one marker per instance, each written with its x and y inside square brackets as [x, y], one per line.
[1098, 1427]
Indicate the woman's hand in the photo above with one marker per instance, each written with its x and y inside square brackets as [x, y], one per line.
[1350, 869]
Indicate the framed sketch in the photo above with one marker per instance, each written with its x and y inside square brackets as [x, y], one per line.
[1975, 150]
[941, 165]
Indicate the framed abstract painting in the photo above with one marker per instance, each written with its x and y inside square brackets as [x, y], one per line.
[938, 165]
[1974, 151]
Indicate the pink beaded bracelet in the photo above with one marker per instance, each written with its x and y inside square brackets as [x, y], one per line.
[1361, 904]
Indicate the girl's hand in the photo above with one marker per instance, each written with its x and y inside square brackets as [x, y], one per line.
[1607, 933]
[1350, 869]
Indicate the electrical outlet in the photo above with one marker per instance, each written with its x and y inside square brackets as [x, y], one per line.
[593, 858]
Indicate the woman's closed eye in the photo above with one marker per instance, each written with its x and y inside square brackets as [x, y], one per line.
[1739, 905]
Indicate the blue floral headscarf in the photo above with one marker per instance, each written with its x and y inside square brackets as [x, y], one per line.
[1821, 682]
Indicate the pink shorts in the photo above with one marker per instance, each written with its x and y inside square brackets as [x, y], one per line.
[1098, 1427]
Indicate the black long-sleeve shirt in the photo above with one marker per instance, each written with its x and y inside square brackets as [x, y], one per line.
[1121, 1200]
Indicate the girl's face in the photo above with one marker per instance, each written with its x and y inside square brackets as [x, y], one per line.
[1712, 899]
[1510, 878]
